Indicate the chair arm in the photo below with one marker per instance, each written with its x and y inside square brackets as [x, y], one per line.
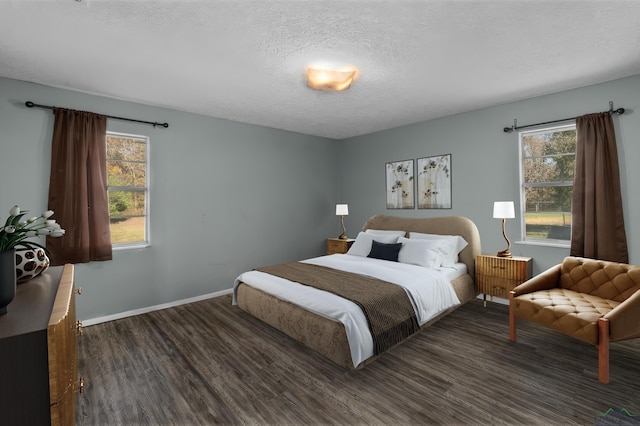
[624, 319]
[545, 281]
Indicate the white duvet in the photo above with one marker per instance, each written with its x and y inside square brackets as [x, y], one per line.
[429, 290]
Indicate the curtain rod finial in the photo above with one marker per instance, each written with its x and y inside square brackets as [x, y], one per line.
[511, 129]
[618, 111]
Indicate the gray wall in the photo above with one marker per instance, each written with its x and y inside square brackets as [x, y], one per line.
[485, 163]
[225, 197]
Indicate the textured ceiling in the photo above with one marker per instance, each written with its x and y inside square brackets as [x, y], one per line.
[245, 60]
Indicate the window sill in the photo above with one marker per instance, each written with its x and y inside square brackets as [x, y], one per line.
[557, 244]
[131, 246]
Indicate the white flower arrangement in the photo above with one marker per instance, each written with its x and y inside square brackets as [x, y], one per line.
[15, 230]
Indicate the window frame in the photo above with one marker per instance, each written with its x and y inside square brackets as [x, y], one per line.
[147, 241]
[567, 125]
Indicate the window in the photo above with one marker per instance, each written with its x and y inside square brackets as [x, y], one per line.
[127, 180]
[548, 158]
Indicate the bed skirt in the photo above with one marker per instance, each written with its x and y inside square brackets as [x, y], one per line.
[325, 336]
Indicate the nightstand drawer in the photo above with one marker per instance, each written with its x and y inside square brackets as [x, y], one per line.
[503, 267]
[496, 286]
[336, 245]
[497, 276]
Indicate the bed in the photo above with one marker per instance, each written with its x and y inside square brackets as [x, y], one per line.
[332, 330]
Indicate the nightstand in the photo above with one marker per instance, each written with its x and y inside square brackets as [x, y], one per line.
[497, 276]
[336, 245]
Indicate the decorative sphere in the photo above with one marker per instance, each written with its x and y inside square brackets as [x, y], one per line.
[30, 263]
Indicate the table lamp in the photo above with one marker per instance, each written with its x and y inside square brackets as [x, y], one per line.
[342, 210]
[504, 210]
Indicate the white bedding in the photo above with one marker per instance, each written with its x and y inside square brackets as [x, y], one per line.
[429, 290]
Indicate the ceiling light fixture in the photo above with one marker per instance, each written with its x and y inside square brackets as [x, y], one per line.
[329, 80]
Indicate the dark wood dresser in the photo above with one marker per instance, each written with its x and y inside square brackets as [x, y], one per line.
[38, 352]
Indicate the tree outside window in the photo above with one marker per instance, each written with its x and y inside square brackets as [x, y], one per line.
[127, 178]
[547, 169]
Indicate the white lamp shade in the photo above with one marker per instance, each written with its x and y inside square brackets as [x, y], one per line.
[342, 209]
[503, 210]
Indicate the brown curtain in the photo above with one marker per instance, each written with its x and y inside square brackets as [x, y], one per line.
[78, 188]
[597, 219]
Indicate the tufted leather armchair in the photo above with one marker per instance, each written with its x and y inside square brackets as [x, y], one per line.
[591, 300]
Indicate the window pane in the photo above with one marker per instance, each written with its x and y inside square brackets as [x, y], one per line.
[124, 148]
[549, 143]
[126, 173]
[127, 181]
[547, 165]
[557, 168]
[126, 203]
[548, 213]
[129, 230]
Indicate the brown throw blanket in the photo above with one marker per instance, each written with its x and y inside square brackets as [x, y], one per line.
[386, 306]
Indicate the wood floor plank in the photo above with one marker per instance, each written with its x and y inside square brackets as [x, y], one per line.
[210, 363]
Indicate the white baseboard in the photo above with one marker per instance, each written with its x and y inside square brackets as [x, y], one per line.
[94, 321]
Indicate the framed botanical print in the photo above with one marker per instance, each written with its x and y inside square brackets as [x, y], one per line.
[434, 182]
[400, 184]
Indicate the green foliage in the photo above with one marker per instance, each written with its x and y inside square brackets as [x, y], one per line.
[549, 161]
[126, 161]
[127, 169]
[119, 201]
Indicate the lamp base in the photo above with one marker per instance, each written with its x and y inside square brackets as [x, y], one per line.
[343, 236]
[504, 253]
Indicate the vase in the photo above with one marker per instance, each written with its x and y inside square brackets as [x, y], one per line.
[7, 279]
[30, 263]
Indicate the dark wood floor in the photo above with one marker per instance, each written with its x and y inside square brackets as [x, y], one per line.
[210, 363]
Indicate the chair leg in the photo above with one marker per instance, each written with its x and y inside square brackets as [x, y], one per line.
[512, 317]
[603, 350]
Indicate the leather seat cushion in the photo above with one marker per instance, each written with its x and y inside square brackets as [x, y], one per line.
[570, 312]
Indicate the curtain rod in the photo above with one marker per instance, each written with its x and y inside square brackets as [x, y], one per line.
[30, 104]
[515, 126]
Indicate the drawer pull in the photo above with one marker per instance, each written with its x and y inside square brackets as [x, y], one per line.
[79, 328]
[499, 267]
[79, 290]
[81, 386]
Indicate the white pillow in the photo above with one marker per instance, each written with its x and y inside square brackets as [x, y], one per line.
[455, 244]
[385, 232]
[419, 252]
[362, 245]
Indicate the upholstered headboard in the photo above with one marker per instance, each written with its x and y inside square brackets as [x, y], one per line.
[447, 225]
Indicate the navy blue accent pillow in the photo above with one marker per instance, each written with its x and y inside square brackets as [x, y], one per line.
[385, 251]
